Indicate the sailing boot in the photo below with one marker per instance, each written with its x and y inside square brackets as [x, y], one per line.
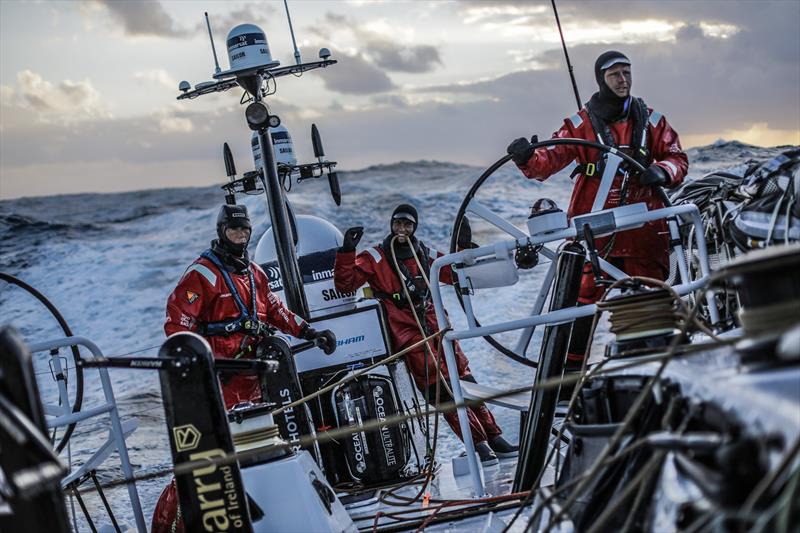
[486, 454]
[502, 448]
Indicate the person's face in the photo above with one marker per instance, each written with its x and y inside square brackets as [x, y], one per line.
[402, 228]
[618, 79]
[238, 235]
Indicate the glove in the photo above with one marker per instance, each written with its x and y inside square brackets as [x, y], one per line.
[654, 175]
[521, 150]
[325, 339]
[351, 238]
[464, 239]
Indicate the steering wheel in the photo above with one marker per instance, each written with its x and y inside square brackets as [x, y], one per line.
[476, 208]
[76, 356]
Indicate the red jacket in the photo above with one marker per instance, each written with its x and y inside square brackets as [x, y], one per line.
[665, 148]
[202, 296]
[374, 267]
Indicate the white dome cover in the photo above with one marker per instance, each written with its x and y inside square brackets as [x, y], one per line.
[314, 235]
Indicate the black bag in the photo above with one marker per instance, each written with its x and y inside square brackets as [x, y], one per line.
[378, 455]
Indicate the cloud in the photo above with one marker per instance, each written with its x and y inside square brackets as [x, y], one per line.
[355, 75]
[157, 76]
[259, 14]
[392, 100]
[412, 59]
[143, 18]
[175, 125]
[376, 47]
[67, 100]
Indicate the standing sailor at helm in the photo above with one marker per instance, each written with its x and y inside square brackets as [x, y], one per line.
[217, 296]
[375, 266]
[615, 118]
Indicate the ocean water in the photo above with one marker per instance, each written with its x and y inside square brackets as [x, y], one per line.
[109, 261]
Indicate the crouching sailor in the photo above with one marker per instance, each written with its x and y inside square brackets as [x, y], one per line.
[376, 267]
[225, 297]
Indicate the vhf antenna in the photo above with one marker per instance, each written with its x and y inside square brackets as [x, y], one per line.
[291, 30]
[566, 55]
[217, 70]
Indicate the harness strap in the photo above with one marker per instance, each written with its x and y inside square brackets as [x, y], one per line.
[397, 298]
[246, 321]
[602, 131]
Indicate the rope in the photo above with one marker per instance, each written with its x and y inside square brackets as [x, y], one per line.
[640, 314]
[354, 375]
[637, 405]
[769, 319]
[308, 440]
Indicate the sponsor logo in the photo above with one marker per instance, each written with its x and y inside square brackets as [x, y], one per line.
[186, 437]
[350, 340]
[191, 296]
[274, 277]
[322, 274]
[147, 364]
[186, 321]
[290, 420]
[218, 498]
[386, 437]
[358, 451]
[333, 294]
[237, 214]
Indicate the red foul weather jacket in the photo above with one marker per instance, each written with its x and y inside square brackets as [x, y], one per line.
[374, 267]
[202, 296]
[648, 242]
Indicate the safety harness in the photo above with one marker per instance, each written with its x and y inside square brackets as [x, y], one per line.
[247, 321]
[602, 130]
[420, 294]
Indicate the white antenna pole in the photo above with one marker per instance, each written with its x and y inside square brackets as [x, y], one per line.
[217, 70]
[291, 30]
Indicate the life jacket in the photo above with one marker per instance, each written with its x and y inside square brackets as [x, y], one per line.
[602, 131]
[247, 322]
[417, 288]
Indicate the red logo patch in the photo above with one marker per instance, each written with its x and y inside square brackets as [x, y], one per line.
[191, 296]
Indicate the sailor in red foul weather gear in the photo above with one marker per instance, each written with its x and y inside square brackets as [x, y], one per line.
[226, 298]
[615, 118]
[375, 266]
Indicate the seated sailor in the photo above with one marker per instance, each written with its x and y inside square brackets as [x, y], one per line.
[394, 276]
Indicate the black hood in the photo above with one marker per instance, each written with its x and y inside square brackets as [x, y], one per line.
[236, 263]
[605, 103]
[405, 211]
[232, 216]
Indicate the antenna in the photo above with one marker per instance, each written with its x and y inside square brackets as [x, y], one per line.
[291, 30]
[217, 70]
[569, 65]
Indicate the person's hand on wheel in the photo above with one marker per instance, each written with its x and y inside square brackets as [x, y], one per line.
[654, 175]
[521, 150]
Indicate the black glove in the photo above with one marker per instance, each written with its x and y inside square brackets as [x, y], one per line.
[654, 175]
[464, 239]
[521, 150]
[351, 238]
[325, 339]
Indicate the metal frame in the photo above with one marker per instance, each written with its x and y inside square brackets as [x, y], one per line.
[64, 416]
[625, 219]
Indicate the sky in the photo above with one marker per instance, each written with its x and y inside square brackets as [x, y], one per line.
[88, 87]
